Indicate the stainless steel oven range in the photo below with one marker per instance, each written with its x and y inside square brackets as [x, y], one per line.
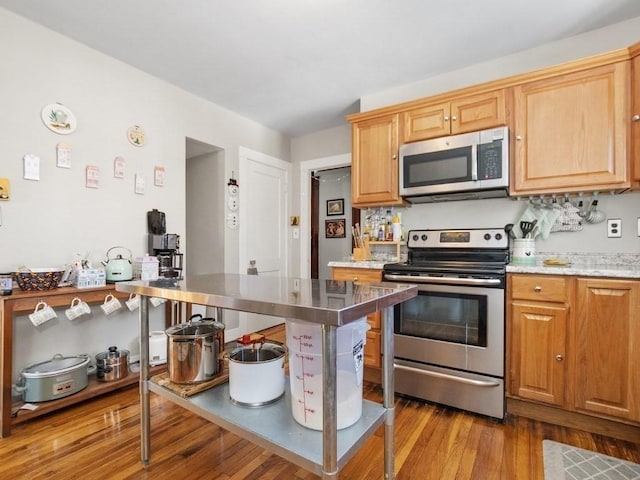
[449, 340]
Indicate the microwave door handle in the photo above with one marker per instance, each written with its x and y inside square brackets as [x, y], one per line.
[474, 162]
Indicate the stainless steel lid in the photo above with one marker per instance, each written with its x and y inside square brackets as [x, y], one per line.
[56, 366]
[192, 329]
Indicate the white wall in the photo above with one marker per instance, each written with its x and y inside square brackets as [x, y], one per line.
[48, 221]
[205, 213]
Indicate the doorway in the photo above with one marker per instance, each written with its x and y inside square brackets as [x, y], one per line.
[306, 170]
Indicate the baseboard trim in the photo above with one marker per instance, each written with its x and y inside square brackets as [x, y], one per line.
[557, 416]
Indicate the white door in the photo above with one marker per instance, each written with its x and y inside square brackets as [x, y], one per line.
[263, 225]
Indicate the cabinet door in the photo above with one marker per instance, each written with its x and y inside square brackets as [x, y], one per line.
[372, 350]
[607, 347]
[635, 118]
[478, 112]
[422, 123]
[537, 351]
[461, 115]
[374, 167]
[571, 132]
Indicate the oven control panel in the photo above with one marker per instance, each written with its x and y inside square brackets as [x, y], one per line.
[458, 238]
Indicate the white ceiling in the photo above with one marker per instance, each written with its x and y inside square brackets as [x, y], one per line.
[299, 66]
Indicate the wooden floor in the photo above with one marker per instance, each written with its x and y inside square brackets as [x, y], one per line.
[100, 439]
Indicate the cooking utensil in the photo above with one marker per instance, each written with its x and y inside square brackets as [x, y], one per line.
[508, 228]
[56, 378]
[195, 350]
[256, 374]
[112, 364]
[119, 268]
[594, 215]
[527, 227]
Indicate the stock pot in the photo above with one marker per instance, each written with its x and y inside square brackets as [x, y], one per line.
[256, 374]
[195, 350]
[112, 364]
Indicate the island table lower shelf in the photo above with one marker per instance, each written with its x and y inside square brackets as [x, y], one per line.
[273, 426]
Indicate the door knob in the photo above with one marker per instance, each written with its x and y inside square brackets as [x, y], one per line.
[559, 357]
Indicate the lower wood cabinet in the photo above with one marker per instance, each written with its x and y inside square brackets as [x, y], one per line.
[574, 343]
[372, 350]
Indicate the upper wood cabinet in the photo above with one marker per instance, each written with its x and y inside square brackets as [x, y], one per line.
[374, 165]
[460, 115]
[635, 116]
[570, 131]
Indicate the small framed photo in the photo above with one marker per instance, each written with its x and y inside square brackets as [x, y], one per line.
[335, 207]
[334, 228]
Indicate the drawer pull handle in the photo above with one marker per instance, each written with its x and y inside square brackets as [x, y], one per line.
[537, 288]
[559, 357]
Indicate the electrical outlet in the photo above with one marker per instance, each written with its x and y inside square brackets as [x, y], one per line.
[614, 228]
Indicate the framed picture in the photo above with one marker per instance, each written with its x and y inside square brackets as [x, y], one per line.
[334, 228]
[335, 207]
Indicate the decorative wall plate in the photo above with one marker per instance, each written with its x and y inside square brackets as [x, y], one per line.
[58, 119]
[136, 136]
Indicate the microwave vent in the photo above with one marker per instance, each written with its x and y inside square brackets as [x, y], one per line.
[456, 196]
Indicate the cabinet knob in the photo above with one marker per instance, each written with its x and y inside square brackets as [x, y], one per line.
[355, 278]
[635, 118]
[518, 137]
[454, 118]
[394, 156]
[559, 357]
[537, 288]
[446, 118]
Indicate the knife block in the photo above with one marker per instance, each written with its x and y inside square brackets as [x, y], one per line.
[361, 254]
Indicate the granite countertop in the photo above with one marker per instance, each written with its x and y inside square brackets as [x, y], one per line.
[623, 265]
[363, 264]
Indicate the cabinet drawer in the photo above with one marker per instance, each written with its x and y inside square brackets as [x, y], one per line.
[539, 287]
[372, 350]
[356, 274]
[374, 320]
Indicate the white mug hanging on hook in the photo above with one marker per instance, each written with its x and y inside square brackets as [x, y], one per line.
[133, 303]
[42, 313]
[524, 251]
[110, 305]
[77, 309]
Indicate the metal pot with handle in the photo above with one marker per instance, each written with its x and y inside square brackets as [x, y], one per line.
[195, 350]
[112, 364]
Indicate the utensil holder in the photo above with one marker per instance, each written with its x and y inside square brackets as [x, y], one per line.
[362, 253]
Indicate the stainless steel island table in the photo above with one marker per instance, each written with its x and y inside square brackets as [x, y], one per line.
[326, 302]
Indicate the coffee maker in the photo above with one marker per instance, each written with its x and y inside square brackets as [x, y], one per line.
[164, 246]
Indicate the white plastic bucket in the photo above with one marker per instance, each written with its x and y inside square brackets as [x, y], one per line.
[304, 342]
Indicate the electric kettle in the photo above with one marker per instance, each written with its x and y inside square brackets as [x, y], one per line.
[118, 269]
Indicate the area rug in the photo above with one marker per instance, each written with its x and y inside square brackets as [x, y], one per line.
[564, 462]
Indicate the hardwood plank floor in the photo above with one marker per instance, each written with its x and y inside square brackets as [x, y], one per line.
[100, 439]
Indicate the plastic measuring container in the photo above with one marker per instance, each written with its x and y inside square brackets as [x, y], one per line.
[304, 341]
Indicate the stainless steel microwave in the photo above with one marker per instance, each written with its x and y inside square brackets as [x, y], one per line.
[466, 166]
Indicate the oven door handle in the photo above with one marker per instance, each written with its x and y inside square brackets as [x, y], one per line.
[442, 280]
[445, 376]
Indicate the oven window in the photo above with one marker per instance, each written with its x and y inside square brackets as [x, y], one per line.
[450, 317]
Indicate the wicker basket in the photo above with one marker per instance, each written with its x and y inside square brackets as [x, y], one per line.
[38, 279]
